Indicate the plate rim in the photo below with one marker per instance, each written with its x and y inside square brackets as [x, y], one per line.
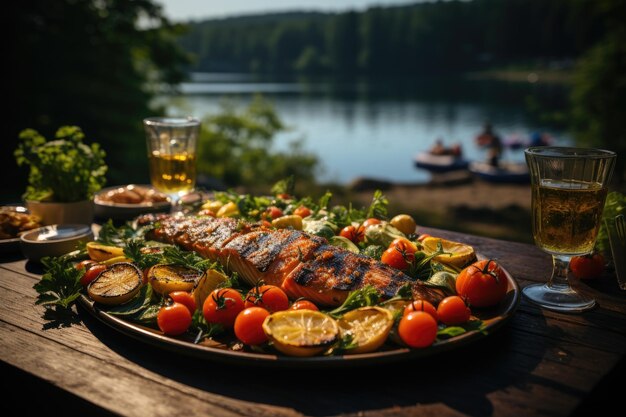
[153, 337]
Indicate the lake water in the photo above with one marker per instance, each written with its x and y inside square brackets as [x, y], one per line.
[374, 128]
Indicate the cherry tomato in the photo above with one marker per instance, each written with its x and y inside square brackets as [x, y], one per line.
[284, 196]
[222, 306]
[302, 211]
[417, 329]
[482, 284]
[185, 299]
[355, 234]
[370, 222]
[273, 212]
[403, 244]
[91, 273]
[421, 305]
[85, 264]
[174, 319]
[397, 258]
[303, 305]
[587, 266]
[270, 297]
[452, 310]
[249, 325]
[422, 237]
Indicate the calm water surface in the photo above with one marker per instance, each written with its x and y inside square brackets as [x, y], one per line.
[375, 128]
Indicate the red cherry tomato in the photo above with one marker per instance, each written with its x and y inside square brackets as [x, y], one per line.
[355, 234]
[273, 212]
[249, 325]
[403, 244]
[185, 299]
[370, 222]
[417, 329]
[452, 310]
[587, 266]
[91, 273]
[303, 305]
[174, 319]
[222, 306]
[397, 258]
[302, 211]
[421, 305]
[482, 284]
[270, 297]
[85, 264]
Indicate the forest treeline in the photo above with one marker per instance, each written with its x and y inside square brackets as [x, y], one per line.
[422, 38]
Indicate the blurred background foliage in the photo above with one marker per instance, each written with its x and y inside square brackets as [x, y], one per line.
[99, 63]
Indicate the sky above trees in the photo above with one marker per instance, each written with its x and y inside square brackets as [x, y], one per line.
[201, 9]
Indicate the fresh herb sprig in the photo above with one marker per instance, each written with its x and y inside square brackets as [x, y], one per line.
[60, 284]
[363, 297]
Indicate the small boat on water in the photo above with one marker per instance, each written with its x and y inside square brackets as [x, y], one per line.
[440, 163]
[504, 173]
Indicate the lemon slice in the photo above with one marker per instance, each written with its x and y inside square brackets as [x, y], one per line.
[301, 332]
[206, 284]
[116, 285]
[169, 278]
[457, 254]
[368, 326]
[99, 252]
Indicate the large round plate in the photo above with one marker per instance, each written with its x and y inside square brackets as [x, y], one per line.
[219, 350]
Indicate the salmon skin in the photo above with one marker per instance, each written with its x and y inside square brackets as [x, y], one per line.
[301, 264]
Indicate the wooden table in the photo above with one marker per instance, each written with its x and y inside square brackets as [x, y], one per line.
[539, 363]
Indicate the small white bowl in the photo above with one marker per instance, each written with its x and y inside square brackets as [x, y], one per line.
[54, 240]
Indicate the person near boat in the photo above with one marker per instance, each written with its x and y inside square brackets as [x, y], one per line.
[439, 149]
[491, 141]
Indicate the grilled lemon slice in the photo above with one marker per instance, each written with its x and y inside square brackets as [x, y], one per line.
[368, 326]
[168, 278]
[99, 252]
[457, 254]
[301, 332]
[206, 284]
[116, 285]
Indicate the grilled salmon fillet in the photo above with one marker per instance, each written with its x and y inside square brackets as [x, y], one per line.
[301, 264]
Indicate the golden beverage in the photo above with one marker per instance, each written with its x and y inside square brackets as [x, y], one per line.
[566, 215]
[172, 173]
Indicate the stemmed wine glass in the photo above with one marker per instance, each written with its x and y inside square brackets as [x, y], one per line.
[172, 144]
[569, 188]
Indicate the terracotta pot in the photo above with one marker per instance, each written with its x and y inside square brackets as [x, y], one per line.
[80, 212]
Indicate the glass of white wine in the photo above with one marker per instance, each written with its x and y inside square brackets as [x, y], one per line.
[569, 188]
[172, 144]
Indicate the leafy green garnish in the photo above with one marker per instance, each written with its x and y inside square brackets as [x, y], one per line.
[111, 235]
[60, 284]
[136, 305]
[175, 255]
[378, 207]
[203, 328]
[363, 297]
[615, 204]
[452, 331]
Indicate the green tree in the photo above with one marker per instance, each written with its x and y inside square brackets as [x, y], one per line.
[94, 64]
[235, 147]
[599, 93]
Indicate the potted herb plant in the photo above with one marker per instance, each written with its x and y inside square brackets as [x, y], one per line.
[64, 175]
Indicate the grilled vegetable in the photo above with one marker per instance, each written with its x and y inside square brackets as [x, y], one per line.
[168, 278]
[116, 285]
[99, 252]
[206, 284]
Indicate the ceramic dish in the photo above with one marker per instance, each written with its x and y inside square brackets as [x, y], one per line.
[12, 245]
[54, 240]
[128, 201]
